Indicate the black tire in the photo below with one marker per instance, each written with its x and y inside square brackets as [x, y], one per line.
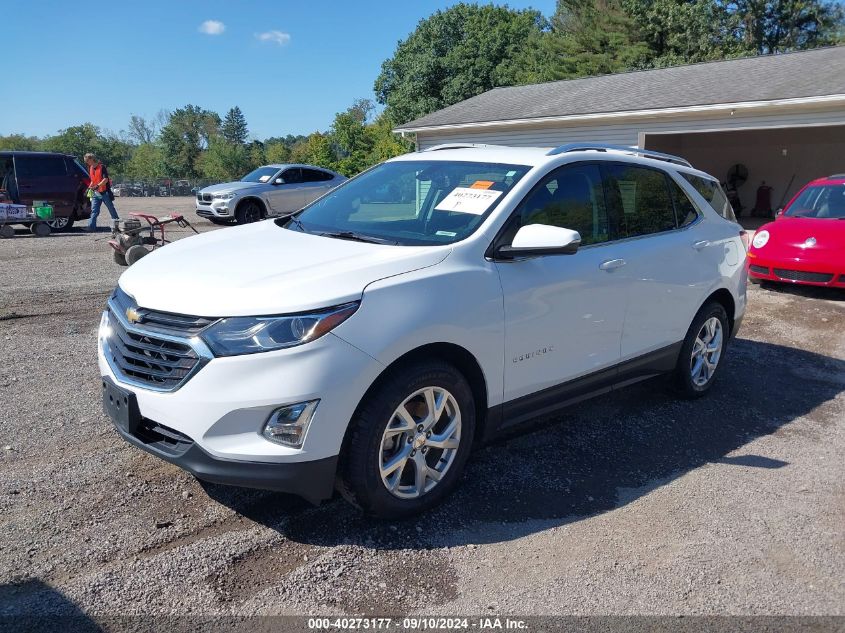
[61, 223]
[40, 229]
[134, 253]
[119, 258]
[220, 221]
[359, 477]
[684, 381]
[7, 231]
[249, 211]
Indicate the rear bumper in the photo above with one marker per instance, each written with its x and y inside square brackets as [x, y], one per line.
[312, 480]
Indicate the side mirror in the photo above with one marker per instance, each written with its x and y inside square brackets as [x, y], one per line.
[778, 213]
[541, 239]
[279, 181]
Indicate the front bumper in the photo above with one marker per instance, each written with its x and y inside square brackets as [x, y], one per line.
[224, 406]
[216, 208]
[312, 480]
[791, 271]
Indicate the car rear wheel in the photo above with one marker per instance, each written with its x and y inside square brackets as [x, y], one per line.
[703, 350]
[248, 211]
[409, 441]
[61, 223]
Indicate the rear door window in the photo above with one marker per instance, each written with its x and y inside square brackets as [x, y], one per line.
[639, 199]
[40, 166]
[711, 191]
[315, 175]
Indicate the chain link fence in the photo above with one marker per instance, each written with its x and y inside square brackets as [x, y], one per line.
[163, 187]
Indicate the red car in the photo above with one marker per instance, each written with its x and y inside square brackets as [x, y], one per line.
[806, 242]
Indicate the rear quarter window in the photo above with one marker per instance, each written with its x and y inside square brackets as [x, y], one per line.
[711, 191]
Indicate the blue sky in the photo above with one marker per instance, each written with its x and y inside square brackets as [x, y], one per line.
[74, 63]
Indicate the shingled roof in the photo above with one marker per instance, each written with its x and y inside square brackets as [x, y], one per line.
[814, 73]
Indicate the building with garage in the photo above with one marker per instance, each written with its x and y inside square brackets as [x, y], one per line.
[778, 119]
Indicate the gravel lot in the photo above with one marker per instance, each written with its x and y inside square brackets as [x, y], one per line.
[631, 504]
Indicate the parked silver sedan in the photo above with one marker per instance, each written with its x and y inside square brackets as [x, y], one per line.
[271, 190]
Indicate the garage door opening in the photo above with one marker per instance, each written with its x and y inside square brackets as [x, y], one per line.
[784, 159]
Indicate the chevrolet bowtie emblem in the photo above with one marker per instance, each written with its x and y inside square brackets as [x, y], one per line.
[133, 315]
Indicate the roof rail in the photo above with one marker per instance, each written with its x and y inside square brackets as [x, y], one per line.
[435, 148]
[603, 147]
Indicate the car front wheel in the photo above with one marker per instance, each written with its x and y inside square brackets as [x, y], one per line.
[409, 441]
[248, 211]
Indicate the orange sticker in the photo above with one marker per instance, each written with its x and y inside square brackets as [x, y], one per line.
[482, 184]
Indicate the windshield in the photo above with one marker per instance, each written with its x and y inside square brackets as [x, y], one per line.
[412, 203]
[823, 201]
[81, 167]
[262, 174]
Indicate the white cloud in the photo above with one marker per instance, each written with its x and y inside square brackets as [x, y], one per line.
[276, 37]
[212, 27]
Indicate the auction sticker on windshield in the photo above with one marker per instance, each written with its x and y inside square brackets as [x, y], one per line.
[467, 200]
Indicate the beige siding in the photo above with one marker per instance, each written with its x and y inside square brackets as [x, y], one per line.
[627, 132]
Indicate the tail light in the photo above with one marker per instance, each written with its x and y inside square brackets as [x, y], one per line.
[746, 240]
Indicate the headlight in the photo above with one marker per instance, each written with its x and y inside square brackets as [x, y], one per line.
[223, 196]
[761, 238]
[249, 335]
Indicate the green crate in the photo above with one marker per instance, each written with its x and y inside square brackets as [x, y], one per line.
[44, 213]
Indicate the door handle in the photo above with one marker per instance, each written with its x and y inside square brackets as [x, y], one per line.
[612, 264]
[701, 244]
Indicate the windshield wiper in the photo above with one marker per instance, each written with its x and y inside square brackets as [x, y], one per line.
[297, 222]
[357, 237]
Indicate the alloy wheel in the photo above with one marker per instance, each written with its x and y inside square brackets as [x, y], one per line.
[58, 223]
[706, 351]
[420, 442]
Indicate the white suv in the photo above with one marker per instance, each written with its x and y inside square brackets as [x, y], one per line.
[271, 190]
[418, 309]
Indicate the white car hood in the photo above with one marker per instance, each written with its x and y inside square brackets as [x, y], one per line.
[262, 269]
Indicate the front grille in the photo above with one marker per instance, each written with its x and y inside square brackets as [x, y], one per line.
[149, 360]
[163, 438]
[800, 275]
[163, 322]
[760, 270]
[205, 198]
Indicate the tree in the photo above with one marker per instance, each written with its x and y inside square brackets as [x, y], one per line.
[775, 26]
[681, 31]
[276, 152]
[352, 143]
[20, 142]
[141, 130]
[185, 136]
[147, 163]
[78, 140]
[593, 37]
[316, 149]
[224, 161]
[234, 127]
[453, 55]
